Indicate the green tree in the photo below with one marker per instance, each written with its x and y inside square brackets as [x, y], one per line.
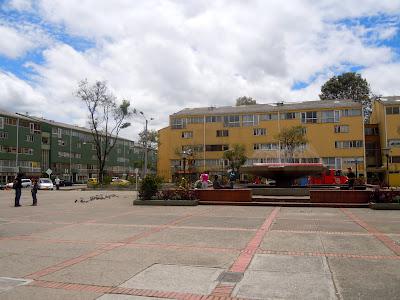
[152, 138]
[244, 100]
[106, 118]
[292, 140]
[349, 86]
[236, 156]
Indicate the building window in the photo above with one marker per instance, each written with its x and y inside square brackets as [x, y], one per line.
[30, 138]
[269, 117]
[78, 145]
[395, 159]
[222, 133]
[194, 148]
[59, 133]
[213, 119]
[61, 143]
[341, 128]
[394, 143]
[187, 134]
[195, 120]
[351, 112]
[178, 123]
[330, 116]
[119, 151]
[288, 116]
[3, 135]
[11, 121]
[232, 121]
[1, 122]
[268, 146]
[393, 110]
[216, 147]
[259, 131]
[309, 117]
[329, 162]
[348, 144]
[250, 120]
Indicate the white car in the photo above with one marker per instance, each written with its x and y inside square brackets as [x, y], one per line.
[26, 183]
[45, 184]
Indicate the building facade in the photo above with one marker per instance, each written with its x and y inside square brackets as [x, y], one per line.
[196, 138]
[386, 117]
[67, 150]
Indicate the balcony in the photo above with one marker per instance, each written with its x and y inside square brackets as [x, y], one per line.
[30, 170]
[5, 169]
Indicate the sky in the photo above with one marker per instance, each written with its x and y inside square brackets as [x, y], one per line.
[166, 55]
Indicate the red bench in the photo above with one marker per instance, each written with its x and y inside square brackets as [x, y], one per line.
[225, 195]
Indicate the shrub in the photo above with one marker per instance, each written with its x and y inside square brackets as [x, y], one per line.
[385, 196]
[107, 180]
[176, 194]
[149, 187]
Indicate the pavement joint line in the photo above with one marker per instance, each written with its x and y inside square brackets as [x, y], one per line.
[183, 247]
[327, 254]
[106, 248]
[244, 259]
[387, 241]
[325, 232]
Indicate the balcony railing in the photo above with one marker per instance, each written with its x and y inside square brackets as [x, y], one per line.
[6, 169]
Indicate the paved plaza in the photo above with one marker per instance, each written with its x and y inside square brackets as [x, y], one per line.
[69, 247]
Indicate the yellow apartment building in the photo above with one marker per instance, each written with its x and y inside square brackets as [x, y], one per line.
[386, 115]
[196, 138]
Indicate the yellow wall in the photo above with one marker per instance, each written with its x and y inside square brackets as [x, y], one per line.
[321, 138]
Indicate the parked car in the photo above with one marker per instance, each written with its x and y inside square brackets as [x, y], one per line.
[120, 182]
[10, 185]
[45, 184]
[64, 182]
[114, 179]
[3, 186]
[26, 183]
[92, 181]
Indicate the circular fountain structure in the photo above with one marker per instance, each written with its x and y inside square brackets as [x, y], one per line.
[284, 173]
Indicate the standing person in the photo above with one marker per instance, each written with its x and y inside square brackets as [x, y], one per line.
[204, 180]
[57, 181]
[34, 190]
[17, 185]
[232, 178]
[351, 177]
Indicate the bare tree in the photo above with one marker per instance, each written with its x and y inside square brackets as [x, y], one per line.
[106, 118]
[292, 140]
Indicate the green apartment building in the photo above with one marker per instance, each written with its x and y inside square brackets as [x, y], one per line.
[67, 150]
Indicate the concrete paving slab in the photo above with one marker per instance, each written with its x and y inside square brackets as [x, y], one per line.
[93, 232]
[140, 219]
[20, 265]
[361, 245]
[240, 211]
[29, 293]
[161, 255]
[286, 224]
[16, 229]
[386, 227]
[224, 222]
[366, 279]
[335, 226]
[98, 272]
[175, 278]
[200, 237]
[288, 241]
[280, 285]
[289, 264]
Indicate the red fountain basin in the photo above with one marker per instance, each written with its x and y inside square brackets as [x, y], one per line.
[284, 173]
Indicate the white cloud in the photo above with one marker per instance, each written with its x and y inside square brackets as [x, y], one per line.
[167, 55]
[13, 44]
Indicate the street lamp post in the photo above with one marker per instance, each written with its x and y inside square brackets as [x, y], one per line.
[145, 143]
[386, 152]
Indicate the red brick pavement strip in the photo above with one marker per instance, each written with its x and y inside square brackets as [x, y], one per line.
[323, 232]
[344, 255]
[128, 291]
[388, 242]
[106, 248]
[184, 247]
[244, 259]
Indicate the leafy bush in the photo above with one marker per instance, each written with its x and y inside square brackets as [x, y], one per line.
[107, 180]
[149, 187]
[176, 194]
[385, 196]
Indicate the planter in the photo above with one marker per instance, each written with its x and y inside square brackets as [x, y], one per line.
[166, 202]
[387, 206]
[339, 196]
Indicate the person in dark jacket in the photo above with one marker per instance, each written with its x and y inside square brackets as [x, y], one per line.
[17, 186]
[351, 178]
[34, 190]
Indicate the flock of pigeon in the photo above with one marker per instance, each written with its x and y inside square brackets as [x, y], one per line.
[96, 197]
